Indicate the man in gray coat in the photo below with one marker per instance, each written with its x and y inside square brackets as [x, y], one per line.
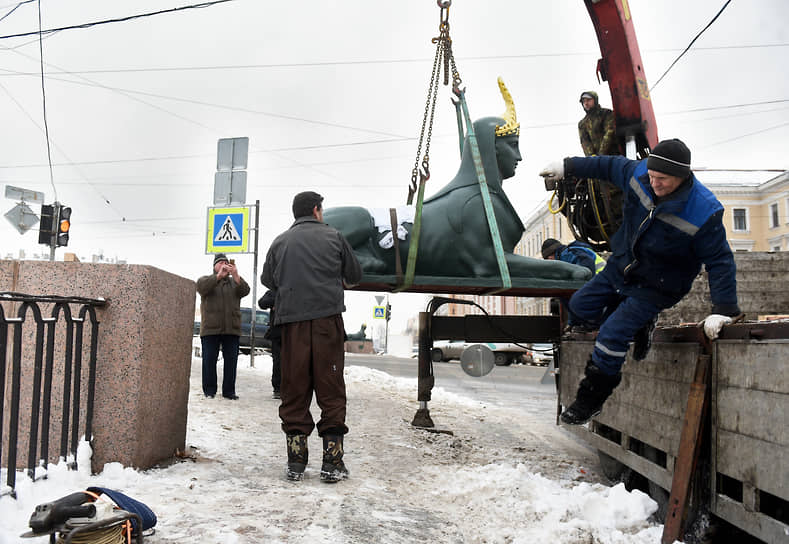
[220, 323]
[308, 266]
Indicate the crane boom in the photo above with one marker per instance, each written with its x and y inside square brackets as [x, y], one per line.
[621, 67]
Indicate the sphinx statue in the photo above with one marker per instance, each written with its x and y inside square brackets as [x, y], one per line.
[455, 240]
[361, 334]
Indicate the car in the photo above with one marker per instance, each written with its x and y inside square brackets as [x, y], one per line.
[543, 354]
[261, 327]
[504, 353]
[445, 350]
[507, 353]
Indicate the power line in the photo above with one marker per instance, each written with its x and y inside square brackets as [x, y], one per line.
[155, 69]
[746, 135]
[689, 45]
[20, 4]
[118, 19]
[44, 103]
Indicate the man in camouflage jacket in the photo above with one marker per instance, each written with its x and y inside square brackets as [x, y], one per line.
[597, 130]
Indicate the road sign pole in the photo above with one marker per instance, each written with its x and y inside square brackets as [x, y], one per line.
[254, 312]
[386, 335]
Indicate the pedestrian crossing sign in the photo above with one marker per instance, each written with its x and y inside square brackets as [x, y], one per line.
[228, 230]
[379, 312]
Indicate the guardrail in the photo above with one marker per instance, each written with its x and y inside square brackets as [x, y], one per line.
[69, 347]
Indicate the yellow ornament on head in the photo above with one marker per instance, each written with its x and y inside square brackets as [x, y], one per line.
[511, 125]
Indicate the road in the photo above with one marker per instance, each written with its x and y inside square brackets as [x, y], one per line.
[509, 386]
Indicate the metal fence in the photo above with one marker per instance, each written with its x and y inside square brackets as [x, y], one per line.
[46, 384]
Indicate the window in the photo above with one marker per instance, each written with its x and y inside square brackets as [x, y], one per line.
[740, 219]
[773, 215]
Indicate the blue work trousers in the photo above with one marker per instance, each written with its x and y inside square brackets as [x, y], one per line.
[599, 303]
[211, 344]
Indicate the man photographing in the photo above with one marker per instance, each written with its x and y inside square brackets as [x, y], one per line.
[672, 225]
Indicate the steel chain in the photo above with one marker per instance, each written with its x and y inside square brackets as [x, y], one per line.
[443, 57]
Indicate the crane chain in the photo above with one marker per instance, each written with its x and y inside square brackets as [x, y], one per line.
[445, 58]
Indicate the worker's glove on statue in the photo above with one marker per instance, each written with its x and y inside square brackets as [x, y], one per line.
[714, 323]
[554, 171]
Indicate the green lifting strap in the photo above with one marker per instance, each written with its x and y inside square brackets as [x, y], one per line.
[504, 271]
[415, 231]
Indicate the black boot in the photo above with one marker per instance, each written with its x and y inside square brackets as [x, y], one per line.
[594, 389]
[642, 341]
[333, 469]
[297, 456]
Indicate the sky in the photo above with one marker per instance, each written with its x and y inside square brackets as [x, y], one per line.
[507, 474]
[331, 96]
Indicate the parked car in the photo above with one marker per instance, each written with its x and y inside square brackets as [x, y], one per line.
[507, 353]
[543, 354]
[261, 326]
[445, 350]
[504, 353]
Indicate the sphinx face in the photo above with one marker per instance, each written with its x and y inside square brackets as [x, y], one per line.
[508, 155]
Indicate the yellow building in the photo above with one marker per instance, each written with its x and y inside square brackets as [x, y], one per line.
[756, 213]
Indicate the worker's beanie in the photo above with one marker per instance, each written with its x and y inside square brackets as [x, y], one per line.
[220, 257]
[549, 247]
[670, 157]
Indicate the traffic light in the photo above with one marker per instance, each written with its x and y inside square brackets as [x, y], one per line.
[388, 312]
[47, 224]
[64, 225]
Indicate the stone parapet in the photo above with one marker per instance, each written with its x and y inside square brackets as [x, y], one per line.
[143, 359]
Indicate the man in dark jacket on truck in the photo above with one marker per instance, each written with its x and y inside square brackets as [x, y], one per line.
[220, 323]
[672, 225]
[307, 265]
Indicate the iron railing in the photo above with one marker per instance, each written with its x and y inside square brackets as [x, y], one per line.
[45, 369]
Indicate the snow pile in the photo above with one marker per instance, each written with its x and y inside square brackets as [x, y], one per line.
[500, 477]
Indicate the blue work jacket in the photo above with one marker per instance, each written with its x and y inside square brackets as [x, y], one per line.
[581, 254]
[660, 247]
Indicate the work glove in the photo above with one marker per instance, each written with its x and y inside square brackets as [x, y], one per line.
[554, 171]
[714, 323]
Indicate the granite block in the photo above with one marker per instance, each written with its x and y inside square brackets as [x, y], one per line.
[143, 358]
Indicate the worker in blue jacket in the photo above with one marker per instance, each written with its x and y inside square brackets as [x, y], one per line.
[576, 252]
[672, 225]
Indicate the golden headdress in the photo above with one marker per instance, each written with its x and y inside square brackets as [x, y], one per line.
[511, 125]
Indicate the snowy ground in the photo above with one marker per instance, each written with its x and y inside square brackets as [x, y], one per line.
[500, 478]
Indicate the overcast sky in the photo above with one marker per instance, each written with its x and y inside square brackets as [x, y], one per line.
[331, 96]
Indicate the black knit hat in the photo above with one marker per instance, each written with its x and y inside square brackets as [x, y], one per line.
[670, 157]
[220, 257]
[549, 247]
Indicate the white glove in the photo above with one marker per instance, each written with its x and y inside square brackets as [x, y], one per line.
[554, 170]
[714, 323]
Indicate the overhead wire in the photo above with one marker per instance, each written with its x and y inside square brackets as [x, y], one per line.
[689, 45]
[44, 103]
[20, 4]
[118, 19]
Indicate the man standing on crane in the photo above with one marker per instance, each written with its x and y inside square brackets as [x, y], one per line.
[672, 225]
[597, 130]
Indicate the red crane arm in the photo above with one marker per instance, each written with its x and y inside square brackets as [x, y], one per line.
[621, 67]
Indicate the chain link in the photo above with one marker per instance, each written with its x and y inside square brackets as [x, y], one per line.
[445, 58]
